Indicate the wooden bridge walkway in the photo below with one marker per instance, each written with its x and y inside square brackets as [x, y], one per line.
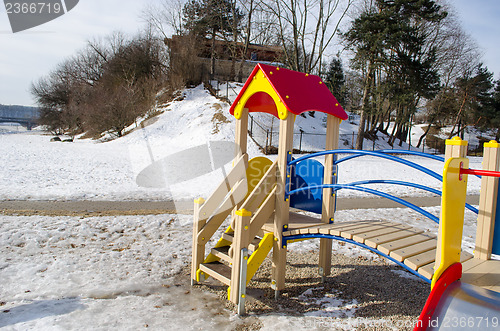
[413, 249]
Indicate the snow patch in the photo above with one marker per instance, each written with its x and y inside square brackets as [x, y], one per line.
[330, 305]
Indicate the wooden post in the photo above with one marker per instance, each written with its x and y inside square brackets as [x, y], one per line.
[198, 250]
[487, 202]
[241, 240]
[328, 209]
[455, 147]
[282, 206]
[241, 132]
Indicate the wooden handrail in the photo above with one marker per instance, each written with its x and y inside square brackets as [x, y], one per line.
[237, 173]
[216, 220]
[261, 190]
[263, 214]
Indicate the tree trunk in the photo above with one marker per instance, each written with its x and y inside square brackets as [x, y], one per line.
[421, 139]
[388, 124]
[247, 42]
[212, 56]
[392, 137]
[232, 74]
[361, 131]
[364, 107]
[457, 119]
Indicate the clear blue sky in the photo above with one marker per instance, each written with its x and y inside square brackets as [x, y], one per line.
[29, 55]
[481, 19]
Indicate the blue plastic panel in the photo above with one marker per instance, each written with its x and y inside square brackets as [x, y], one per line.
[307, 173]
[496, 232]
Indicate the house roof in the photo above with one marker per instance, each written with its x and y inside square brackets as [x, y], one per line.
[297, 91]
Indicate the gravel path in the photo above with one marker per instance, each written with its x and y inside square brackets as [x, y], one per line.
[93, 208]
[371, 293]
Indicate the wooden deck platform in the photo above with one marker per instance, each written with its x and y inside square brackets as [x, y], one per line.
[482, 273]
[415, 248]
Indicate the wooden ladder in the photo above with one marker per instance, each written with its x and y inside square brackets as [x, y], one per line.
[244, 245]
[219, 263]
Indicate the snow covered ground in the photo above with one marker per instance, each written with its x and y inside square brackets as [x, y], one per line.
[101, 273]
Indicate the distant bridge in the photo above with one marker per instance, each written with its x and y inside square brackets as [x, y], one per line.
[29, 123]
[25, 116]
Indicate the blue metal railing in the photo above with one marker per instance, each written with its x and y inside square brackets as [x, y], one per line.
[409, 184]
[369, 153]
[371, 191]
[397, 151]
[385, 154]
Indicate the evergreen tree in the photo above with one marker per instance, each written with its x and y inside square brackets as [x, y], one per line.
[211, 18]
[388, 38]
[335, 80]
[496, 108]
[477, 95]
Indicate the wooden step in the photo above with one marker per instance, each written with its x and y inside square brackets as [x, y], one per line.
[337, 228]
[374, 242]
[329, 228]
[483, 273]
[310, 230]
[421, 259]
[295, 221]
[464, 257]
[386, 229]
[222, 253]
[390, 246]
[348, 234]
[472, 263]
[408, 251]
[217, 270]
[326, 228]
[428, 269]
[253, 245]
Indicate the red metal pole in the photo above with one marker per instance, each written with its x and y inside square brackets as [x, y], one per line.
[480, 172]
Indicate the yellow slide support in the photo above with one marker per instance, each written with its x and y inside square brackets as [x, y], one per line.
[451, 222]
[257, 257]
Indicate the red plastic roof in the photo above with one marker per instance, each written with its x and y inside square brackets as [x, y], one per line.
[299, 92]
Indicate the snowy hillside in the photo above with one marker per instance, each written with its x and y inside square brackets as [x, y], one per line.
[37, 169]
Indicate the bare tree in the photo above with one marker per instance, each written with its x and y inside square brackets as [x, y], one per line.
[457, 56]
[103, 88]
[264, 24]
[306, 29]
[166, 17]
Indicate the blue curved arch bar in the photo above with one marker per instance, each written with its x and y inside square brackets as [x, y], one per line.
[371, 191]
[416, 153]
[369, 153]
[328, 236]
[398, 151]
[397, 182]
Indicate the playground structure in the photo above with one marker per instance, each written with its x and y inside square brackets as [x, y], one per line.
[258, 195]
